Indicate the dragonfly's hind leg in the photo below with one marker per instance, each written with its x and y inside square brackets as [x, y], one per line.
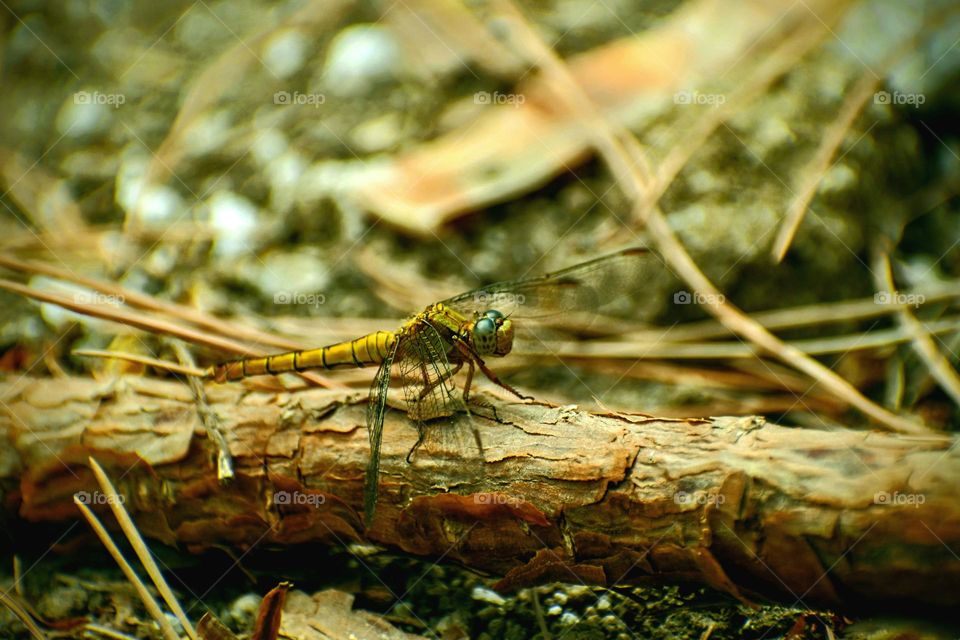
[421, 432]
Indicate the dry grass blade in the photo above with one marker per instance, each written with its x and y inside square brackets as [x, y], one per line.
[138, 321]
[793, 44]
[936, 362]
[172, 367]
[804, 316]
[440, 33]
[140, 547]
[658, 349]
[674, 253]
[745, 326]
[833, 137]
[22, 615]
[709, 630]
[146, 323]
[149, 303]
[107, 632]
[33, 188]
[148, 601]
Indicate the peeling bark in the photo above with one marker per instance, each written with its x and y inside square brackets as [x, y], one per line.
[842, 518]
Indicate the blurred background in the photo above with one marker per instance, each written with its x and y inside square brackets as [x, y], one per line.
[368, 159]
[317, 170]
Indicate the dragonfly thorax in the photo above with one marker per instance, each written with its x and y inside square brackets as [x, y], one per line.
[492, 334]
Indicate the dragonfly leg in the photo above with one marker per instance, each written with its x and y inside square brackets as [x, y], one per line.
[443, 378]
[494, 379]
[466, 385]
[416, 445]
[466, 406]
[421, 432]
[467, 401]
[473, 357]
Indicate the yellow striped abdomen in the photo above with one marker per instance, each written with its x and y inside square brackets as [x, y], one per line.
[369, 349]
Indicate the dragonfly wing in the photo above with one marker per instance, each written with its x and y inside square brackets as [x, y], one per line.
[376, 410]
[424, 370]
[426, 374]
[586, 286]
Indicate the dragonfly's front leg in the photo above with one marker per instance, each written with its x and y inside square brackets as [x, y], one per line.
[466, 385]
[471, 357]
[430, 386]
[493, 378]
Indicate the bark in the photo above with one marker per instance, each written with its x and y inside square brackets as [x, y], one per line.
[840, 518]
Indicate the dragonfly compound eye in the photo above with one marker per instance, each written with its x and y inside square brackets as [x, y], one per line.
[485, 335]
[493, 314]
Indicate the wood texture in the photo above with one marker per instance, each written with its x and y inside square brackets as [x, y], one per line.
[842, 518]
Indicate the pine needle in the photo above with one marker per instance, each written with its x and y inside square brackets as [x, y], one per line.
[139, 546]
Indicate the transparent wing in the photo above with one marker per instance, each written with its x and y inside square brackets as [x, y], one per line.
[376, 410]
[586, 286]
[426, 374]
[423, 369]
[429, 390]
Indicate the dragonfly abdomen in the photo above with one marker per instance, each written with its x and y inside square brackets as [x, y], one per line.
[366, 350]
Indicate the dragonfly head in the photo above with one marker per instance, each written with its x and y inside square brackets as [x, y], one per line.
[492, 334]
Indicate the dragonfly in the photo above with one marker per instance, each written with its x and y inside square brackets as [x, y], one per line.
[428, 351]
[432, 347]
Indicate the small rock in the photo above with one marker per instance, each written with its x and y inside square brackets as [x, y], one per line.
[234, 222]
[487, 595]
[79, 118]
[292, 277]
[244, 609]
[772, 134]
[569, 619]
[157, 205]
[285, 53]
[359, 57]
[377, 134]
[840, 177]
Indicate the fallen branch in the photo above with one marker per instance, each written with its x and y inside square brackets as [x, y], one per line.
[847, 519]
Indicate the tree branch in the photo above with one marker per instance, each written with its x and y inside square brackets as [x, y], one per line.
[842, 518]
